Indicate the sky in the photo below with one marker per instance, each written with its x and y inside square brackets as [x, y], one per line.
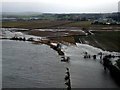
[60, 6]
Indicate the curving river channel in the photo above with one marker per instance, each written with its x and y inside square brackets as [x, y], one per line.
[27, 65]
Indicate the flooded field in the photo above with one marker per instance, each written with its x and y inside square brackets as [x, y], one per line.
[27, 65]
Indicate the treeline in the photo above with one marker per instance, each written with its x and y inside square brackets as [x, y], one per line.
[71, 17]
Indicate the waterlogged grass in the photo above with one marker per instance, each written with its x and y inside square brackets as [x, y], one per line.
[110, 39]
[106, 40]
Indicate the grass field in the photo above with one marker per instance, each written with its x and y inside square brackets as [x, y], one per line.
[64, 40]
[80, 23]
[42, 24]
[106, 40]
[32, 24]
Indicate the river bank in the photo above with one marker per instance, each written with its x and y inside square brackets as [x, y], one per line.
[104, 39]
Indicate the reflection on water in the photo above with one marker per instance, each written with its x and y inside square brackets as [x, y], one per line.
[26, 65]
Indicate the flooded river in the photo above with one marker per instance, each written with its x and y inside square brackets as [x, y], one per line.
[27, 65]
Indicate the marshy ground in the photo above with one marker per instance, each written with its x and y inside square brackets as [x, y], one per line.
[105, 36]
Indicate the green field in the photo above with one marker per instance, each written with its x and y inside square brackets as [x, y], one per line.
[42, 24]
[106, 40]
[80, 23]
[32, 24]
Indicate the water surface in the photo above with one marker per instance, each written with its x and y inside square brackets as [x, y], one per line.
[27, 65]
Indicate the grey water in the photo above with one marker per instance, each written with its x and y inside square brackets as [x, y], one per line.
[27, 65]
